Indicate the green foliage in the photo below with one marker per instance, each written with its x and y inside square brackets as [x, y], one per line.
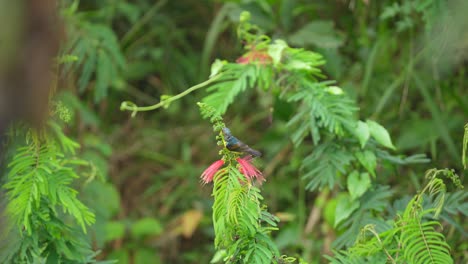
[422, 243]
[413, 238]
[323, 110]
[400, 62]
[252, 69]
[324, 164]
[98, 54]
[406, 11]
[360, 212]
[234, 79]
[237, 218]
[39, 183]
[328, 115]
[145, 227]
[346, 149]
[456, 203]
[320, 109]
[344, 144]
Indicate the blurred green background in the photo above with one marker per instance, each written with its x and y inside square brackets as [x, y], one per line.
[404, 62]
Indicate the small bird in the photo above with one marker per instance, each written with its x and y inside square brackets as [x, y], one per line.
[234, 144]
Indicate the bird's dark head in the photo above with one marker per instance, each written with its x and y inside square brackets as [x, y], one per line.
[227, 135]
[226, 131]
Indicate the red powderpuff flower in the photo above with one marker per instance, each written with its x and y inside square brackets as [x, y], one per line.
[255, 57]
[248, 169]
[209, 173]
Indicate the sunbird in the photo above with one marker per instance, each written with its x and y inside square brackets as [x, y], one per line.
[234, 144]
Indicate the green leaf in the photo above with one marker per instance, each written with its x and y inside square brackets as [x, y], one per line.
[235, 79]
[146, 226]
[380, 134]
[368, 160]
[329, 211]
[114, 230]
[299, 65]
[276, 49]
[218, 256]
[320, 109]
[358, 183]
[334, 90]
[362, 133]
[344, 208]
[216, 67]
[301, 61]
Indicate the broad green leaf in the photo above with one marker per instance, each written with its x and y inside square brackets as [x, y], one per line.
[114, 230]
[334, 90]
[329, 211]
[380, 134]
[344, 208]
[146, 226]
[244, 16]
[358, 183]
[362, 133]
[368, 160]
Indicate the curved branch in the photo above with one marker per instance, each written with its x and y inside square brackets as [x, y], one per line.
[166, 100]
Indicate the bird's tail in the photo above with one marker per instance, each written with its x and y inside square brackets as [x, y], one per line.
[254, 152]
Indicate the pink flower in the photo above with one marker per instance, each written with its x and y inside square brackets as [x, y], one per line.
[255, 56]
[248, 169]
[210, 172]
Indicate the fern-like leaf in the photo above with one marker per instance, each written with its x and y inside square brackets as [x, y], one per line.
[98, 52]
[325, 164]
[235, 79]
[421, 243]
[320, 109]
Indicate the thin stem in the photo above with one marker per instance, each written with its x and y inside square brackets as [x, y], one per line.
[129, 106]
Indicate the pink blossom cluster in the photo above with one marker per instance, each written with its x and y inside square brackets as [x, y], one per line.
[245, 167]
